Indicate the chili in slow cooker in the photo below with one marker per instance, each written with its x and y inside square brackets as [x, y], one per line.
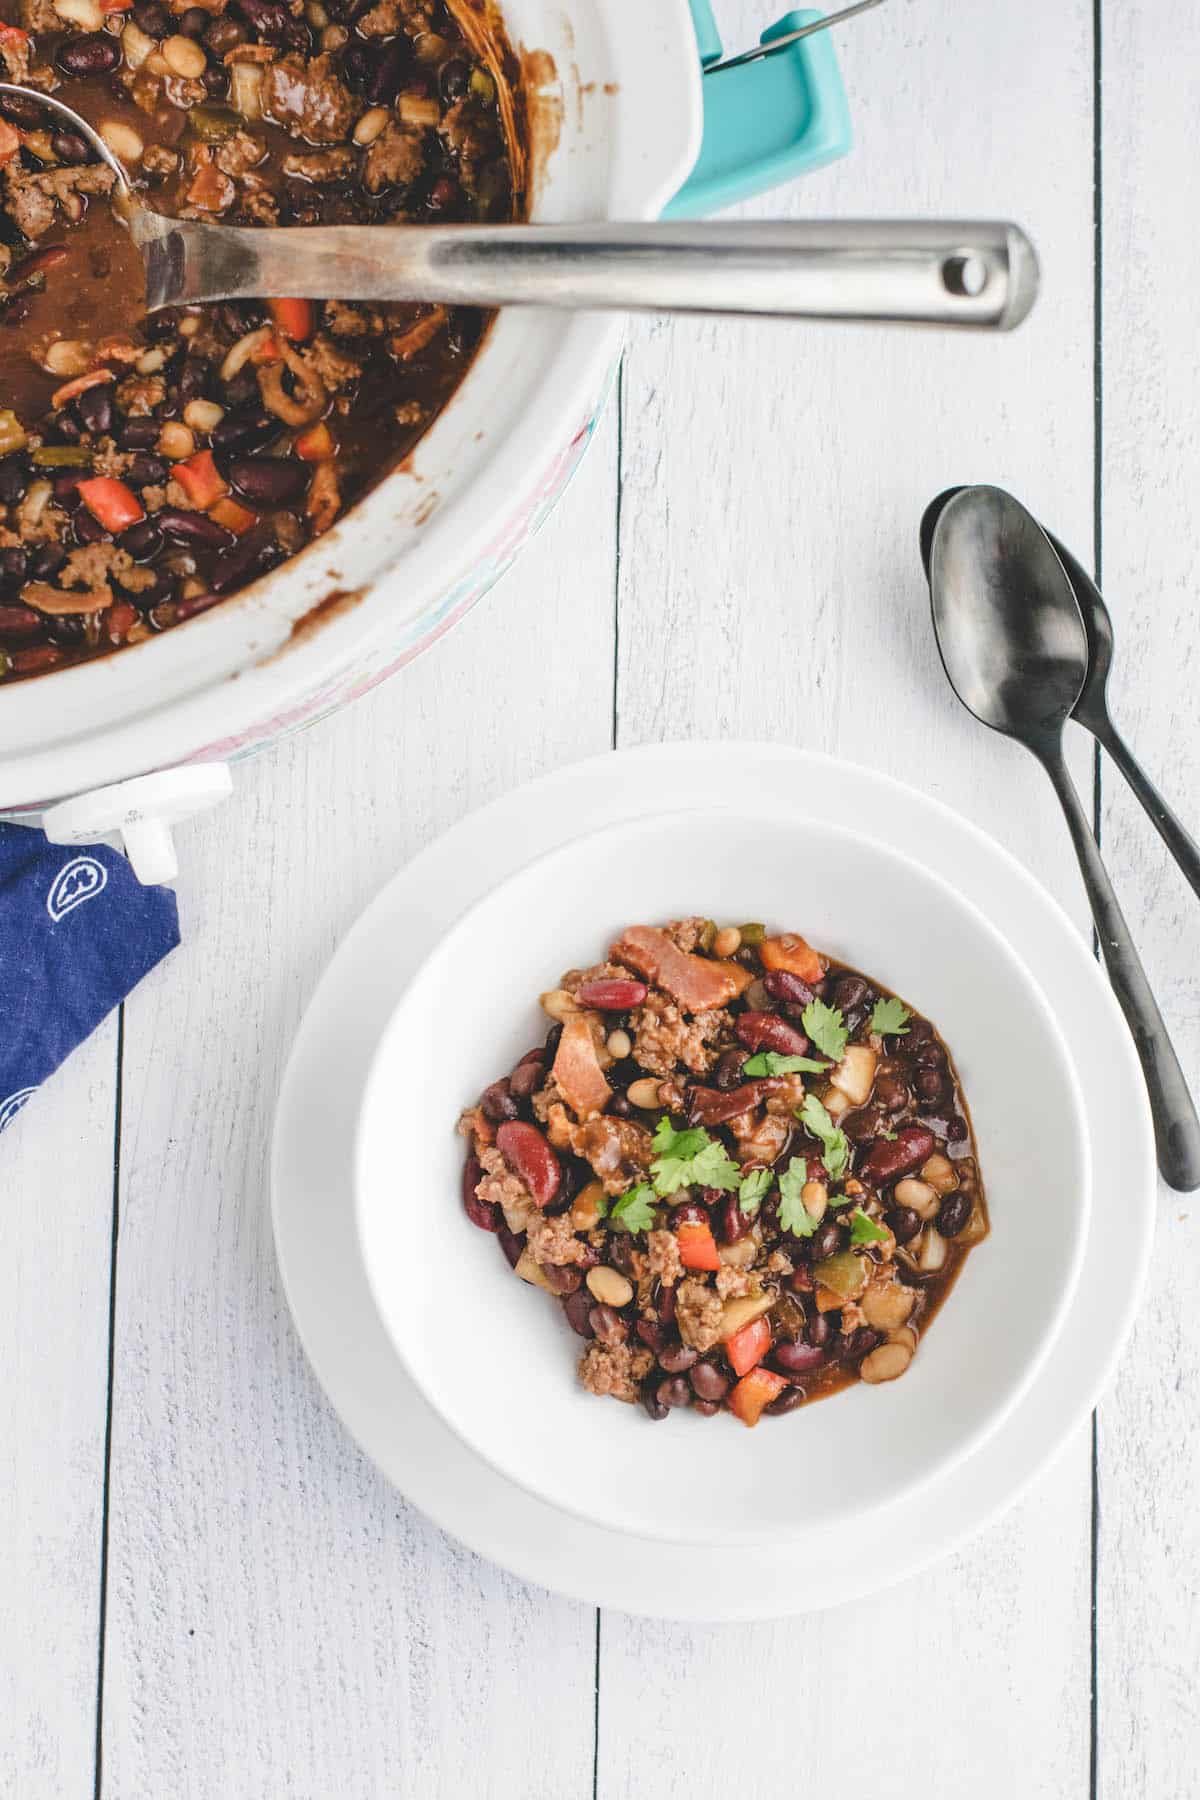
[745, 1171]
[150, 467]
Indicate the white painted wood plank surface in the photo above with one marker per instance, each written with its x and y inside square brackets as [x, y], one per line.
[280, 1622]
[770, 587]
[1148, 1602]
[56, 1192]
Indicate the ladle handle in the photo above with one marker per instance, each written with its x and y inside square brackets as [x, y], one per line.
[982, 274]
[1176, 1127]
[1170, 828]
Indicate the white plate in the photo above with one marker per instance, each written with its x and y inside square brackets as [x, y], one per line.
[326, 1284]
[513, 1395]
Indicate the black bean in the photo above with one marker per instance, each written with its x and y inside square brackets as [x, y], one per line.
[706, 1408]
[931, 1087]
[192, 22]
[512, 1243]
[141, 540]
[14, 479]
[857, 1344]
[22, 109]
[88, 53]
[250, 557]
[88, 530]
[95, 409]
[268, 481]
[274, 23]
[787, 1402]
[454, 78]
[46, 561]
[849, 991]
[653, 1404]
[825, 1240]
[69, 147]
[498, 1103]
[65, 486]
[386, 75]
[139, 434]
[817, 1330]
[954, 1213]
[184, 527]
[356, 62]
[677, 1358]
[891, 1094]
[665, 1302]
[153, 18]
[249, 428]
[13, 566]
[216, 80]
[728, 1072]
[797, 1359]
[619, 1107]
[674, 1391]
[562, 1279]
[651, 1333]
[577, 1307]
[708, 1382]
[147, 471]
[905, 1223]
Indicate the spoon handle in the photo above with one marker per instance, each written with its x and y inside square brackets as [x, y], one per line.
[1176, 1127]
[1170, 828]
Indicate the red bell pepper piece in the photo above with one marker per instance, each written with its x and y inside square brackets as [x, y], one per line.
[200, 480]
[747, 1347]
[294, 318]
[315, 444]
[111, 502]
[753, 1392]
[697, 1246]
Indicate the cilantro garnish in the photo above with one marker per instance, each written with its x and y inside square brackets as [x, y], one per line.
[690, 1159]
[794, 1216]
[827, 1028]
[890, 1018]
[754, 1189]
[835, 1148]
[864, 1230]
[634, 1211]
[769, 1062]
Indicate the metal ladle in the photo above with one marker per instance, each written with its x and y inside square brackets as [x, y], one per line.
[1013, 644]
[982, 274]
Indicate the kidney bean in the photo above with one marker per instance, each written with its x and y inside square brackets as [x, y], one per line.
[787, 1402]
[268, 481]
[611, 994]
[578, 1308]
[483, 1213]
[88, 53]
[708, 1382]
[825, 1240]
[20, 622]
[797, 1359]
[674, 1391]
[250, 556]
[706, 1408]
[677, 1358]
[527, 1078]
[954, 1213]
[890, 1158]
[688, 1212]
[956, 1130]
[184, 527]
[511, 1242]
[14, 479]
[653, 1404]
[818, 1330]
[731, 1222]
[767, 1031]
[708, 1106]
[562, 1279]
[782, 985]
[497, 1103]
[905, 1223]
[530, 1158]
[651, 1334]
[36, 659]
[386, 72]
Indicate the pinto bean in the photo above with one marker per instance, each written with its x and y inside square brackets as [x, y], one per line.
[888, 1159]
[530, 1158]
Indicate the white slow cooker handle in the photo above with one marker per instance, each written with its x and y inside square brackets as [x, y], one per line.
[139, 814]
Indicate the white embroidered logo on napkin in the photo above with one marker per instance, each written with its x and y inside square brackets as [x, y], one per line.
[79, 880]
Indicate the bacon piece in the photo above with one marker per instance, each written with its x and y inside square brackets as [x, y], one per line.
[577, 1069]
[697, 983]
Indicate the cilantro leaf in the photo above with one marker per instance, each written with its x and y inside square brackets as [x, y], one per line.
[769, 1062]
[754, 1189]
[634, 1211]
[690, 1158]
[827, 1028]
[864, 1230]
[794, 1216]
[835, 1148]
[890, 1018]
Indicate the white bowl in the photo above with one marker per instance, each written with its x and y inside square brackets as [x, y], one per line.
[497, 1359]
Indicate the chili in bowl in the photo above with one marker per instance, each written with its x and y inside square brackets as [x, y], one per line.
[678, 1203]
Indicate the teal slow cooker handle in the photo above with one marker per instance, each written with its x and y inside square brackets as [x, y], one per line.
[767, 121]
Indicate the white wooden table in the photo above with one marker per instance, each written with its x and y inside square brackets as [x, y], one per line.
[205, 1590]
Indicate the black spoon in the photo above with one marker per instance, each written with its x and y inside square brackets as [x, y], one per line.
[1015, 649]
[1091, 708]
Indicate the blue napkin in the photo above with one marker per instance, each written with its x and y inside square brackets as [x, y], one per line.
[77, 933]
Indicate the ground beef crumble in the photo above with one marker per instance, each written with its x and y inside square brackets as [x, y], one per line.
[615, 1369]
[664, 1036]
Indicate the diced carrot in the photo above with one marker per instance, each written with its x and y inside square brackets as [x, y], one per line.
[315, 444]
[80, 385]
[754, 1392]
[231, 516]
[112, 6]
[293, 317]
[111, 502]
[200, 480]
[211, 189]
[747, 1347]
[13, 36]
[697, 1246]
[10, 141]
[792, 954]
[268, 351]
